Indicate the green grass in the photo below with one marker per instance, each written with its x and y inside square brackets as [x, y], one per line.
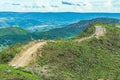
[9, 53]
[87, 32]
[9, 73]
[92, 59]
[6, 56]
[12, 31]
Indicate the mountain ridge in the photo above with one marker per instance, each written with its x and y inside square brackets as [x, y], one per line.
[93, 58]
[64, 32]
[53, 20]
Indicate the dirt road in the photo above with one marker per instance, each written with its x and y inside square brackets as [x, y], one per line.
[30, 51]
[100, 31]
[27, 55]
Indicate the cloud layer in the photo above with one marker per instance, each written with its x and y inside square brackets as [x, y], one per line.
[60, 5]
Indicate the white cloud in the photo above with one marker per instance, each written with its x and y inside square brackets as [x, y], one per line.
[57, 6]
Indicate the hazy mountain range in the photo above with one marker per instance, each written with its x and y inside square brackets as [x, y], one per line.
[46, 21]
[11, 35]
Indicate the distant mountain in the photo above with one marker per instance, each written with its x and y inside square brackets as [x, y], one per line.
[46, 21]
[12, 31]
[14, 35]
[75, 28]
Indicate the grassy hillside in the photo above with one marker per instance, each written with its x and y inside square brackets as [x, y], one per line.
[13, 35]
[9, 53]
[9, 73]
[12, 31]
[93, 59]
[87, 32]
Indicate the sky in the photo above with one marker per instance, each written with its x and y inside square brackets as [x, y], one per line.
[60, 5]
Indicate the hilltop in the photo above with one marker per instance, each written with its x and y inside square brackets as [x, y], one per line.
[29, 53]
[12, 31]
[13, 35]
[93, 58]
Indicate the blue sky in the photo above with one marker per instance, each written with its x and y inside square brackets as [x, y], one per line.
[60, 5]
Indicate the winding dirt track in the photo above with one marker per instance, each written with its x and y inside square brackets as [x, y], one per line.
[30, 52]
[100, 31]
[27, 55]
